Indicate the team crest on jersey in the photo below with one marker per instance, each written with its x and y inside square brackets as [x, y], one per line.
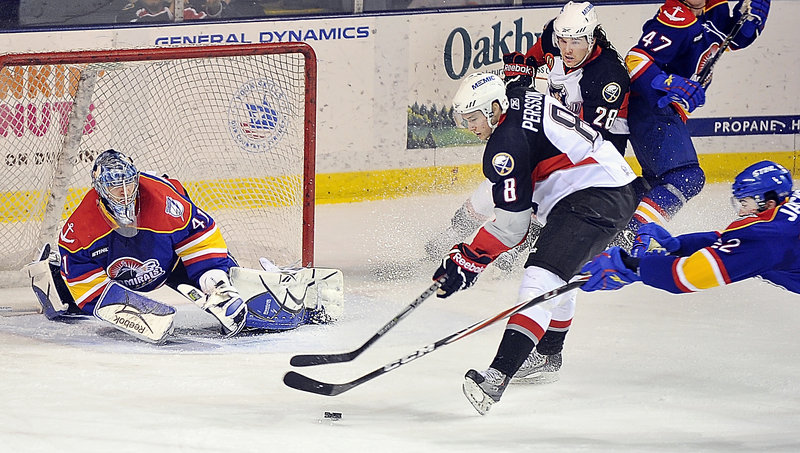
[503, 164]
[133, 273]
[611, 92]
[174, 208]
[257, 115]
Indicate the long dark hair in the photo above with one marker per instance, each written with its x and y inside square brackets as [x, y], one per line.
[601, 39]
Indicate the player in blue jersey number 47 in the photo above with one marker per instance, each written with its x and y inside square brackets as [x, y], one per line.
[764, 242]
[134, 232]
[665, 67]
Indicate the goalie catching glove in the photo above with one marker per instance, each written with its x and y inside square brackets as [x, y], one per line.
[223, 301]
[461, 267]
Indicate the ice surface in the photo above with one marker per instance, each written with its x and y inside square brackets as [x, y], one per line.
[644, 371]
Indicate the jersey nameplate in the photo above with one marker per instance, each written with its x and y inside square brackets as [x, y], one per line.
[532, 112]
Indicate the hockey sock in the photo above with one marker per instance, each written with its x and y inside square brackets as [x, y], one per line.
[668, 195]
[513, 350]
[552, 342]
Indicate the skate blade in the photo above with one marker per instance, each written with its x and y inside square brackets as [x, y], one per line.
[537, 378]
[479, 400]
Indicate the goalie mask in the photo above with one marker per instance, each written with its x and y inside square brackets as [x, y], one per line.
[759, 183]
[477, 93]
[116, 181]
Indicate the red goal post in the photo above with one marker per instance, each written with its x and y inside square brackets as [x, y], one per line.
[235, 124]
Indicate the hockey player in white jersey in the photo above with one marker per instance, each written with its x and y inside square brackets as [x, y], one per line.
[586, 74]
[539, 156]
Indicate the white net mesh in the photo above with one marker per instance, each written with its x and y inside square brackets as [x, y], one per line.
[230, 128]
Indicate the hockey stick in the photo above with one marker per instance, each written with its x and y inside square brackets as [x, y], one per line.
[306, 384]
[705, 74]
[319, 359]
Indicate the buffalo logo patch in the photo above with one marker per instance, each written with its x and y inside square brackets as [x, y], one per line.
[503, 164]
[611, 92]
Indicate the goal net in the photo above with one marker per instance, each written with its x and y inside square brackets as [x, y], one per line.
[235, 124]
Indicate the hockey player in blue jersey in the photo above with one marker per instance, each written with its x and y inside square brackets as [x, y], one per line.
[673, 48]
[764, 242]
[134, 232]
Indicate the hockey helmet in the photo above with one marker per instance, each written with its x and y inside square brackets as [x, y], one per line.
[576, 20]
[477, 93]
[762, 181]
[116, 181]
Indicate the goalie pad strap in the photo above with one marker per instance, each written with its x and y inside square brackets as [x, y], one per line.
[135, 314]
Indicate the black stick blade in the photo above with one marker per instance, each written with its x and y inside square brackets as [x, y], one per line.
[320, 359]
[304, 383]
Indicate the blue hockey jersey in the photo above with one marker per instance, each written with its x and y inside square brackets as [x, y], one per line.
[170, 228]
[765, 245]
[677, 42]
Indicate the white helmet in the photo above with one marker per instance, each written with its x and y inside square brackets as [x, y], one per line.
[576, 20]
[477, 92]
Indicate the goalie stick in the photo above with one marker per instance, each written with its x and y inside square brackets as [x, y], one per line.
[704, 76]
[320, 359]
[304, 383]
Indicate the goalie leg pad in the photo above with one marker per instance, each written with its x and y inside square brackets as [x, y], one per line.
[265, 312]
[135, 314]
[44, 287]
[316, 289]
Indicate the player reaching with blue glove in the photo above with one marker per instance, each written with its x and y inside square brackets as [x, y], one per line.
[764, 242]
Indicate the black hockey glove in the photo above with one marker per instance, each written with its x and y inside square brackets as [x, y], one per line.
[518, 71]
[462, 267]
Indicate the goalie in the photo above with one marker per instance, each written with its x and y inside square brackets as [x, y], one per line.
[134, 232]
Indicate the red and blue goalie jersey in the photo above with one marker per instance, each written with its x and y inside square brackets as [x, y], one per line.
[765, 245]
[677, 42]
[170, 229]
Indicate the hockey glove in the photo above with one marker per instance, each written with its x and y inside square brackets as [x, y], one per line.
[225, 303]
[758, 11]
[611, 269]
[461, 267]
[518, 71]
[687, 93]
[653, 238]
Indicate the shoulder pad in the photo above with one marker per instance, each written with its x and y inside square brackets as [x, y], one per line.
[675, 14]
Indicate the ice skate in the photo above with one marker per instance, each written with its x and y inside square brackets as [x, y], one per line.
[538, 369]
[483, 389]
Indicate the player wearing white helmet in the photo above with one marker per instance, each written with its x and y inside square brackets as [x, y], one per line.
[538, 155]
[586, 74]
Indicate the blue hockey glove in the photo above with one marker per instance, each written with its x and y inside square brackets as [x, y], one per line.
[609, 271]
[518, 71]
[688, 93]
[758, 11]
[462, 267]
[652, 237]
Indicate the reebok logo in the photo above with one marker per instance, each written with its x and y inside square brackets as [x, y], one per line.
[466, 264]
[515, 68]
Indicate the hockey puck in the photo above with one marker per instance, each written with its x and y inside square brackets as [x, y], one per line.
[333, 416]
